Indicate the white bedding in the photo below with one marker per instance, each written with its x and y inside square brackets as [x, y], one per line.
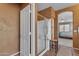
[65, 34]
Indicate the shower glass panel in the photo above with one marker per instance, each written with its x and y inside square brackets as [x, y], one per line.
[24, 31]
[41, 36]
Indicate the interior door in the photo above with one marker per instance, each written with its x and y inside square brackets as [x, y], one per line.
[25, 31]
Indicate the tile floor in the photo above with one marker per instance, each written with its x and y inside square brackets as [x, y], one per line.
[65, 42]
[63, 51]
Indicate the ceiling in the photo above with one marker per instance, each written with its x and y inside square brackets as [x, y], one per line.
[56, 6]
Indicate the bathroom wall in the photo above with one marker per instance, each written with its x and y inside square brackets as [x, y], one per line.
[9, 28]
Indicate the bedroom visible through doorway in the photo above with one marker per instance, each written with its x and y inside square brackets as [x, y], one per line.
[65, 29]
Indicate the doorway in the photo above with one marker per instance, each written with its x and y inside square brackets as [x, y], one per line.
[65, 29]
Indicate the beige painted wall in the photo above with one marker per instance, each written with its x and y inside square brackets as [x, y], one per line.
[9, 29]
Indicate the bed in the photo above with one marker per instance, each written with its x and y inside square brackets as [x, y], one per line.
[65, 35]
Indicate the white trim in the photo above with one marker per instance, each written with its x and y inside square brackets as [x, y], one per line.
[14, 54]
[33, 18]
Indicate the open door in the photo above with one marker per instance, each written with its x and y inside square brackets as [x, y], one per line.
[25, 31]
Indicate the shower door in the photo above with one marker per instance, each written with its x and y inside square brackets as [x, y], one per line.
[25, 31]
[41, 36]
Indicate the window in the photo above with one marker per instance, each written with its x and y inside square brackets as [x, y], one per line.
[61, 28]
[65, 27]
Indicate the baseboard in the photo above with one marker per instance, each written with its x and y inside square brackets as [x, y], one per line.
[15, 54]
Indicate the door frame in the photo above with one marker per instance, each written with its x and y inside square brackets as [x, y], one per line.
[72, 25]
